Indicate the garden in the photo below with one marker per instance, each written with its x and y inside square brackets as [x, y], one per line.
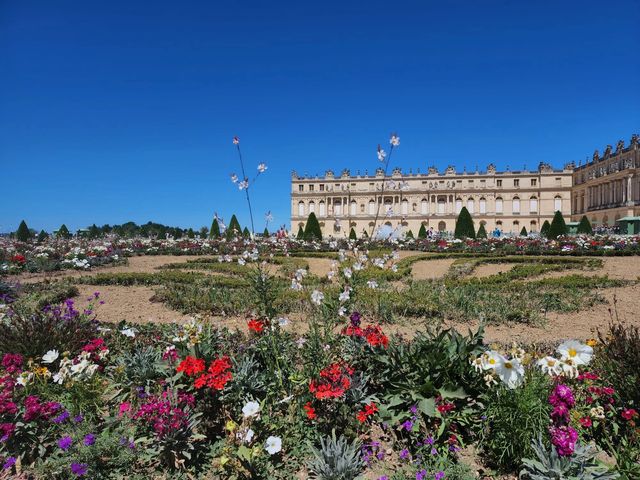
[335, 359]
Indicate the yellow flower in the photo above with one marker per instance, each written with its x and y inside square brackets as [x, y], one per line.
[231, 425]
[592, 342]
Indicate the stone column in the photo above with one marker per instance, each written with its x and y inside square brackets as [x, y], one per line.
[629, 190]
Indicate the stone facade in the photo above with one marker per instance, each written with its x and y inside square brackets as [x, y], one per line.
[608, 187]
[604, 189]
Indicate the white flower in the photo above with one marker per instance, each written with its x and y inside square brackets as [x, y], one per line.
[245, 436]
[342, 311]
[381, 154]
[273, 445]
[243, 184]
[347, 272]
[490, 359]
[24, 378]
[128, 332]
[262, 167]
[283, 321]
[511, 372]
[234, 178]
[296, 285]
[236, 140]
[251, 409]
[241, 261]
[372, 284]
[344, 296]
[569, 368]
[597, 412]
[578, 353]
[317, 297]
[51, 356]
[394, 140]
[550, 365]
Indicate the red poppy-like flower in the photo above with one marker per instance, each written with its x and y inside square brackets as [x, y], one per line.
[446, 407]
[368, 411]
[17, 258]
[372, 334]
[256, 325]
[311, 412]
[629, 413]
[586, 422]
[333, 382]
[217, 375]
[191, 366]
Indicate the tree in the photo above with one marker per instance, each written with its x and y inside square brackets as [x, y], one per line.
[482, 232]
[234, 229]
[191, 233]
[523, 232]
[409, 234]
[585, 226]
[558, 227]
[246, 233]
[300, 235]
[352, 234]
[464, 225]
[204, 232]
[544, 231]
[312, 228]
[63, 232]
[422, 233]
[23, 234]
[94, 231]
[265, 234]
[42, 236]
[215, 229]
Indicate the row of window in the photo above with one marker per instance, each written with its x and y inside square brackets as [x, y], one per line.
[516, 183]
[424, 206]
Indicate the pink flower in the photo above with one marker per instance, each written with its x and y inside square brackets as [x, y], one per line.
[629, 413]
[124, 408]
[562, 395]
[564, 439]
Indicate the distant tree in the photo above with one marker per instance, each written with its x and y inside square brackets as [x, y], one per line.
[464, 225]
[204, 232]
[482, 232]
[523, 232]
[234, 228]
[215, 229]
[544, 230]
[312, 228]
[558, 226]
[265, 234]
[246, 233]
[300, 235]
[63, 232]
[23, 234]
[42, 236]
[191, 233]
[422, 233]
[94, 231]
[585, 226]
[409, 234]
[352, 234]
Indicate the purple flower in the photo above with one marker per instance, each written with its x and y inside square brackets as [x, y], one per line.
[564, 439]
[562, 395]
[9, 462]
[407, 425]
[63, 417]
[434, 451]
[383, 477]
[404, 454]
[421, 475]
[355, 319]
[65, 442]
[414, 409]
[89, 439]
[439, 475]
[79, 469]
[560, 415]
[78, 418]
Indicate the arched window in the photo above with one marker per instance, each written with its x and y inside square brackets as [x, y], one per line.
[533, 204]
[353, 209]
[312, 206]
[557, 203]
[337, 209]
[441, 206]
[442, 226]
[372, 207]
[301, 209]
[405, 207]
[458, 205]
[515, 208]
[483, 206]
[323, 209]
[470, 205]
[498, 205]
[388, 207]
[424, 207]
[533, 226]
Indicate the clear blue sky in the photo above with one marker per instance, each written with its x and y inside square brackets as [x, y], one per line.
[125, 110]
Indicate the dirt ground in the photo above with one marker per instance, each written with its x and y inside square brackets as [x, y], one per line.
[486, 270]
[137, 304]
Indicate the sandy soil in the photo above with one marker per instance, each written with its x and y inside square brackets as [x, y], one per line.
[489, 269]
[620, 268]
[319, 267]
[430, 269]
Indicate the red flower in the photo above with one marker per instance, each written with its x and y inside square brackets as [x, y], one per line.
[629, 413]
[586, 422]
[372, 334]
[191, 366]
[217, 375]
[311, 412]
[446, 407]
[17, 258]
[368, 411]
[333, 382]
[256, 325]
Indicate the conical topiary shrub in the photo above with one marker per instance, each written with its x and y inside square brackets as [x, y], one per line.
[352, 234]
[63, 232]
[234, 229]
[312, 228]
[246, 233]
[191, 233]
[422, 233]
[544, 230]
[215, 229]
[265, 234]
[300, 235]
[42, 236]
[558, 227]
[409, 234]
[464, 225]
[523, 232]
[482, 232]
[585, 226]
[23, 234]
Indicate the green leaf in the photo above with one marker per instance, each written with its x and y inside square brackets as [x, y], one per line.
[427, 406]
[457, 393]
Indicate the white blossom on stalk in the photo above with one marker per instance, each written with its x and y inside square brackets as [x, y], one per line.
[273, 445]
[372, 284]
[128, 332]
[251, 409]
[342, 311]
[578, 353]
[243, 184]
[262, 167]
[245, 436]
[511, 372]
[51, 356]
[241, 261]
[381, 154]
[345, 295]
[236, 140]
[234, 178]
[347, 272]
[394, 140]
[550, 365]
[317, 297]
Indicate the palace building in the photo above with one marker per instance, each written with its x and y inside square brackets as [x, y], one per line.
[605, 189]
